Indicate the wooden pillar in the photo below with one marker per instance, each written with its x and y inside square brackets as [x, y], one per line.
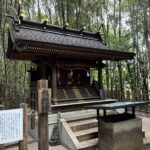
[43, 69]
[101, 90]
[44, 97]
[2, 146]
[54, 82]
[2, 107]
[23, 145]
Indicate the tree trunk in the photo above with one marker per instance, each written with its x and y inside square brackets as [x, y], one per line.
[120, 80]
[114, 26]
[39, 10]
[119, 64]
[78, 9]
[1, 10]
[63, 12]
[146, 32]
[68, 12]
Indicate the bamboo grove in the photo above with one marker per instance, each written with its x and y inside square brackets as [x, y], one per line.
[124, 25]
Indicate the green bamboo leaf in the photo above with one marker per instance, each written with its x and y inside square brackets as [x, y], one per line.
[131, 1]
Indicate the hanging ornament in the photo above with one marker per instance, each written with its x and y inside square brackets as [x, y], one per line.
[70, 74]
[88, 74]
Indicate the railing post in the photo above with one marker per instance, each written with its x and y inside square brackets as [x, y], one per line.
[23, 145]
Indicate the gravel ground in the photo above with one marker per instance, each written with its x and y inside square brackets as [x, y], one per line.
[146, 128]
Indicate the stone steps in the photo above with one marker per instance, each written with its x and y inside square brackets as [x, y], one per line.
[83, 124]
[79, 129]
[89, 144]
[86, 132]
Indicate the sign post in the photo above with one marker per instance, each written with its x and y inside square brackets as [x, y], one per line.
[24, 143]
[2, 146]
[44, 99]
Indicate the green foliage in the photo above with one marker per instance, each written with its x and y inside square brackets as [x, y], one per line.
[132, 1]
[120, 44]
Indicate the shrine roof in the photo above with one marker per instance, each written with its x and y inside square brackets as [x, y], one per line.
[29, 39]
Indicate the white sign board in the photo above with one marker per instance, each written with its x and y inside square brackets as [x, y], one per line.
[11, 125]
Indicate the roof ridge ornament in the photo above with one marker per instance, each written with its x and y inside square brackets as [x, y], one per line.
[45, 24]
[65, 25]
[15, 20]
[14, 23]
[102, 33]
[83, 28]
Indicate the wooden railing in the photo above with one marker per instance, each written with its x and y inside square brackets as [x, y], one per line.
[128, 96]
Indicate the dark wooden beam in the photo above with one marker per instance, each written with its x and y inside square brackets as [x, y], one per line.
[42, 67]
[54, 82]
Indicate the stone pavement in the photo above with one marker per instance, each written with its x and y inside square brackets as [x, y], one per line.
[34, 146]
[146, 128]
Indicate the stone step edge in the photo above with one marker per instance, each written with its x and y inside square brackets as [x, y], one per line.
[82, 122]
[88, 143]
[86, 132]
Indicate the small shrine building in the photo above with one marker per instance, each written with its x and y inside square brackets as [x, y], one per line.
[64, 57]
